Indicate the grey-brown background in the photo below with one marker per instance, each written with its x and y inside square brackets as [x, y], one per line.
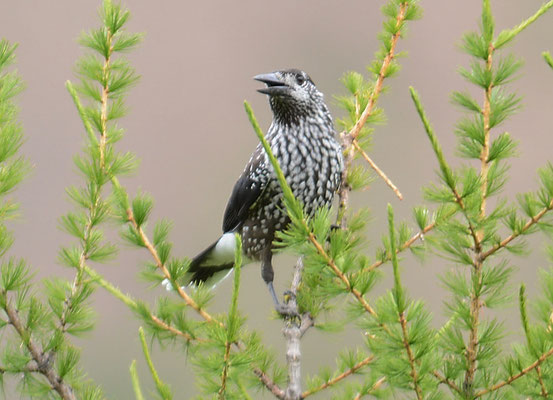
[188, 127]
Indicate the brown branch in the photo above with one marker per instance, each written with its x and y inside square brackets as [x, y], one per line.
[343, 375]
[447, 382]
[475, 303]
[105, 93]
[43, 360]
[224, 374]
[377, 170]
[341, 275]
[531, 222]
[404, 246]
[486, 112]
[407, 244]
[374, 387]
[514, 377]
[269, 384]
[544, 393]
[174, 330]
[410, 356]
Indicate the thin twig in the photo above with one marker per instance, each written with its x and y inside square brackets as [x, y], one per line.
[44, 361]
[377, 170]
[340, 274]
[404, 246]
[446, 381]
[343, 375]
[131, 303]
[544, 393]
[531, 222]
[269, 384]
[224, 374]
[514, 377]
[374, 387]
[410, 356]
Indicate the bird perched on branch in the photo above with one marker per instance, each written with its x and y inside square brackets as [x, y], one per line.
[302, 139]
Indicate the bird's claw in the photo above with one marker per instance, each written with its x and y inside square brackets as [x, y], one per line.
[286, 311]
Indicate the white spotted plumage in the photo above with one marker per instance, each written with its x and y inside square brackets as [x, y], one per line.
[302, 138]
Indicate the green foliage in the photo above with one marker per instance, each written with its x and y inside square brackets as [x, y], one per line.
[360, 102]
[403, 355]
[470, 344]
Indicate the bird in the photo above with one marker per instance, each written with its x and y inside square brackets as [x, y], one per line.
[303, 140]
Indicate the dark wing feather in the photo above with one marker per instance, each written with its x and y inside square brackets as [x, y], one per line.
[246, 191]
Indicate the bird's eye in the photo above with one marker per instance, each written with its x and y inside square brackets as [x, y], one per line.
[300, 79]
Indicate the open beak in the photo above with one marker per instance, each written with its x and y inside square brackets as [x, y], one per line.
[273, 82]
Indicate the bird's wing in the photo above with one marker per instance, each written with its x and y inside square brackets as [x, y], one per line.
[246, 191]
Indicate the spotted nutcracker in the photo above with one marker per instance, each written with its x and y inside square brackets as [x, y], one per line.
[302, 138]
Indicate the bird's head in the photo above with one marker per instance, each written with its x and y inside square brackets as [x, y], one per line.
[292, 94]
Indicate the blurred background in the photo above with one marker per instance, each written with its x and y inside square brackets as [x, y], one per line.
[188, 127]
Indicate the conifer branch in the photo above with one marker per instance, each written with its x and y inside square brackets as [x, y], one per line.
[224, 374]
[374, 387]
[516, 376]
[484, 163]
[144, 238]
[354, 132]
[410, 357]
[529, 224]
[471, 353]
[507, 35]
[102, 144]
[161, 387]
[340, 377]
[446, 381]
[83, 257]
[447, 174]
[529, 340]
[269, 384]
[135, 381]
[44, 361]
[131, 303]
[404, 246]
[105, 94]
[356, 293]
[400, 305]
[349, 140]
[153, 252]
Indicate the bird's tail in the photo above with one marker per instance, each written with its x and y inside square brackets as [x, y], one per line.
[214, 263]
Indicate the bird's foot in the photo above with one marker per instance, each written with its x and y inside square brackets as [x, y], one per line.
[286, 310]
[289, 308]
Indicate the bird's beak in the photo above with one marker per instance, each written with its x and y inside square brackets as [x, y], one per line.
[274, 84]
